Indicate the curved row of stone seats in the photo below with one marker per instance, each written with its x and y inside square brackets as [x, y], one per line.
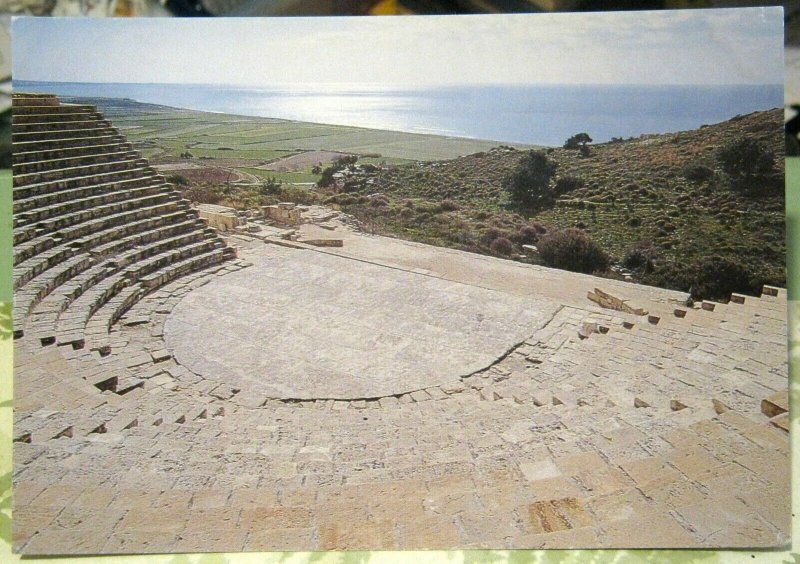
[36, 214]
[41, 157]
[108, 227]
[125, 269]
[84, 139]
[42, 200]
[34, 99]
[95, 228]
[85, 234]
[51, 129]
[45, 313]
[73, 161]
[78, 218]
[72, 113]
[76, 130]
[79, 170]
[22, 193]
[127, 171]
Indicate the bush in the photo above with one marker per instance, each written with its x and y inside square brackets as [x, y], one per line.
[716, 277]
[502, 246]
[529, 183]
[639, 259]
[698, 173]
[744, 160]
[449, 205]
[572, 249]
[567, 184]
[527, 235]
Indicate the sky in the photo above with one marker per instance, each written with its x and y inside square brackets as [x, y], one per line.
[682, 47]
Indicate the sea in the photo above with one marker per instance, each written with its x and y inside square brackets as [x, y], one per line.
[531, 114]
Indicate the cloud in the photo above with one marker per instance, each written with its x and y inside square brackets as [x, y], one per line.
[681, 47]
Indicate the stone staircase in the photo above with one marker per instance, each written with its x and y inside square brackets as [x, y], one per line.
[94, 224]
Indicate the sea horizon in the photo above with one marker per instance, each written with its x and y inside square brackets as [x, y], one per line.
[539, 114]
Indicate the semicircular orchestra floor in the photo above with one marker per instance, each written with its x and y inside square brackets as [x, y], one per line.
[305, 325]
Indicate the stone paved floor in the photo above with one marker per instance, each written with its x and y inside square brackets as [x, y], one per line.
[306, 325]
[597, 429]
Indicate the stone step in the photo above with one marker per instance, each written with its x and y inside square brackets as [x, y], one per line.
[33, 155]
[81, 204]
[26, 298]
[98, 245]
[22, 108]
[80, 223]
[48, 127]
[73, 321]
[103, 227]
[79, 218]
[45, 315]
[133, 171]
[52, 117]
[80, 170]
[73, 162]
[96, 137]
[34, 190]
[32, 99]
[81, 129]
[31, 203]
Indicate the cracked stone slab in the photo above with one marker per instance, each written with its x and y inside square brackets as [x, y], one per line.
[303, 327]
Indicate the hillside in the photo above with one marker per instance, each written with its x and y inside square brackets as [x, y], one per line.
[665, 195]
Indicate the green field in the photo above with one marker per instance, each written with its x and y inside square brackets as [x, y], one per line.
[265, 138]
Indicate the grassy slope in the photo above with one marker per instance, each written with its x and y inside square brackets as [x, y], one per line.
[633, 193]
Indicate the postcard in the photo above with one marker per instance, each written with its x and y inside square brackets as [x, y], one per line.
[508, 281]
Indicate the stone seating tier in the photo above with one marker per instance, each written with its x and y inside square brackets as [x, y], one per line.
[32, 109]
[80, 121]
[48, 199]
[33, 215]
[71, 162]
[102, 229]
[74, 130]
[83, 169]
[101, 244]
[33, 99]
[90, 180]
[145, 176]
[98, 137]
[39, 157]
[80, 218]
[77, 114]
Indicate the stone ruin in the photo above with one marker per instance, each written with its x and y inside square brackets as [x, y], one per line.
[597, 425]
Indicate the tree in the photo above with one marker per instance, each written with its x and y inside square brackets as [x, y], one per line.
[529, 183]
[577, 141]
[340, 164]
[745, 160]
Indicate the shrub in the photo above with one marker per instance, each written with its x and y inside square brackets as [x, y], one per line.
[449, 205]
[716, 277]
[502, 246]
[639, 259]
[698, 173]
[577, 141]
[493, 233]
[567, 184]
[407, 213]
[527, 235]
[572, 249]
[744, 160]
[529, 183]
[178, 180]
